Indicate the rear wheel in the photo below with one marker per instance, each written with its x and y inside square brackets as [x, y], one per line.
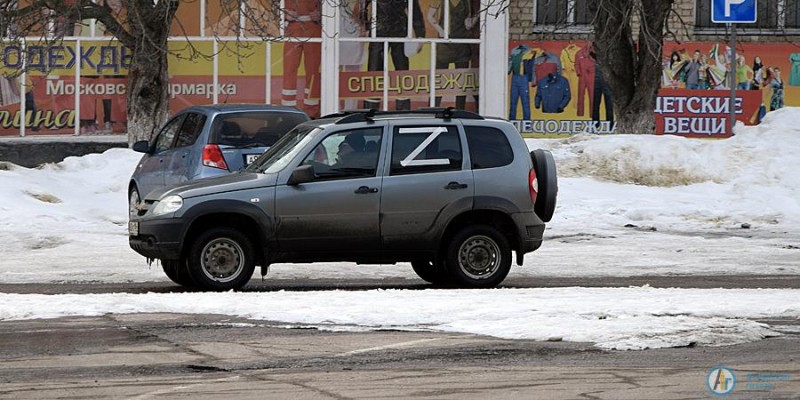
[478, 256]
[430, 271]
[221, 259]
[177, 272]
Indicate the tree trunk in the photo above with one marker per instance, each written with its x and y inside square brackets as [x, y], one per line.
[145, 32]
[633, 70]
[147, 94]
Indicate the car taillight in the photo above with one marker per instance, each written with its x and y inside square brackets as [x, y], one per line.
[212, 157]
[533, 184]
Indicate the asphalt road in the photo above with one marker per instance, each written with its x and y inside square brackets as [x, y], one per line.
[210, 356]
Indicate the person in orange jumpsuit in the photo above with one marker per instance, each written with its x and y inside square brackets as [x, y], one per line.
[584, 67]
[303, 19]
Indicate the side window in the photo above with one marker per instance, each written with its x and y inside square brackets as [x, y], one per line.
[425, 149]
[190, 130]
[166, 138]
[347, 154]
[488, 147]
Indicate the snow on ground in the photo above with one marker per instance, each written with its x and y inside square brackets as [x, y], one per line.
[628, 205]
[631, 318]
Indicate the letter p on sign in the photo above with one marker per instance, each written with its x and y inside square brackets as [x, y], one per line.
[728, 4]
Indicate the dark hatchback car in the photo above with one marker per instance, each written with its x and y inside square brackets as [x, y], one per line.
[206, 141]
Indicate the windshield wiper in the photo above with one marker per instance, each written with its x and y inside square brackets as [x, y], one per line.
[251, 145]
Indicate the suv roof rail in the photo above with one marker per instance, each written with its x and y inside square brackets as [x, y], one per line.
[351, 116]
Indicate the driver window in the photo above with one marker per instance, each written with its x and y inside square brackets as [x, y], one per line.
[166, 139]
[347, 154]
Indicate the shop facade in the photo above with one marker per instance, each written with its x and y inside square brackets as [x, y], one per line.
[562, 92]
[318, 56]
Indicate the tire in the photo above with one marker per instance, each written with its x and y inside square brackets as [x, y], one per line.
[133, 200]
[547, 178]
[177, 272]
[430, 271]
[221, 259]
[478, 256]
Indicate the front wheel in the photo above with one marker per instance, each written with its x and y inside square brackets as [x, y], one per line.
[133, 202]
[430, 271]
[478, 256]
[177, 272]
[221, 259]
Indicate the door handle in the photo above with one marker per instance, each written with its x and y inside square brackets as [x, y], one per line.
[366, 190]
[455, 186]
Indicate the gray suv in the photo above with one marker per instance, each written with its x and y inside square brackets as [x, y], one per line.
[449, 191]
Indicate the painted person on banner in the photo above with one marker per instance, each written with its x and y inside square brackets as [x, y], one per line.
[392, 21]
[692, 71]
[303, 18]
[462, 22]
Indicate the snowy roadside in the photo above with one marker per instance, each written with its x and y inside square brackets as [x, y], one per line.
[628, 205]
[612, 318]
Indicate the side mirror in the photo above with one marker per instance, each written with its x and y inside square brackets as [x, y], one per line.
[301, 174]
[142, 146]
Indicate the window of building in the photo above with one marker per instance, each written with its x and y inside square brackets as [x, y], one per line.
[792, 14]
[564, 12]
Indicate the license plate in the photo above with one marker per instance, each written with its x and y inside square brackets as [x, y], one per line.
[133, 228]
[249, 158]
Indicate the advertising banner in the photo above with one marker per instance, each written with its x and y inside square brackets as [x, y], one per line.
[556, 88]
[49, 88]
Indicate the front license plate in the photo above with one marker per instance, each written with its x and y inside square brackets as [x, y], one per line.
[249, 158]
[133, 228]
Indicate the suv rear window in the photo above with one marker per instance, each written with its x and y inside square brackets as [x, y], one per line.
[488, 147]
[255, 128]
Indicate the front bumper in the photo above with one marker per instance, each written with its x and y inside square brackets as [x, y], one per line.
[158, 238]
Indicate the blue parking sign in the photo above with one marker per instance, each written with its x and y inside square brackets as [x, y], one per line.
[733, 11]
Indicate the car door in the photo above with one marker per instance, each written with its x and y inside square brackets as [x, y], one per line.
[427, 184]
[152, 169]
[338, 210]
[184, 157]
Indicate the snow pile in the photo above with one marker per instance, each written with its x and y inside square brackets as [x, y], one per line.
[68, 221]
[77, 194]
[675, 182]
[764, 154]
[627, 318]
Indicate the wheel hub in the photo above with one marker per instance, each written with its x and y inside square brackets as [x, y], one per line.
[222, 260]
[479, 257]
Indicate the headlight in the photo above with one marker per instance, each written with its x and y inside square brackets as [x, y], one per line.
[168, 205]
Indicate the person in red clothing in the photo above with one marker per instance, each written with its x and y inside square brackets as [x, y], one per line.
[302, 21]
[584, 68]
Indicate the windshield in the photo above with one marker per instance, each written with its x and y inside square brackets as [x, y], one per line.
[253, 128]
[283, 151]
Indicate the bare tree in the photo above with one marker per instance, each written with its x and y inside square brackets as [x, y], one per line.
[631, 67]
